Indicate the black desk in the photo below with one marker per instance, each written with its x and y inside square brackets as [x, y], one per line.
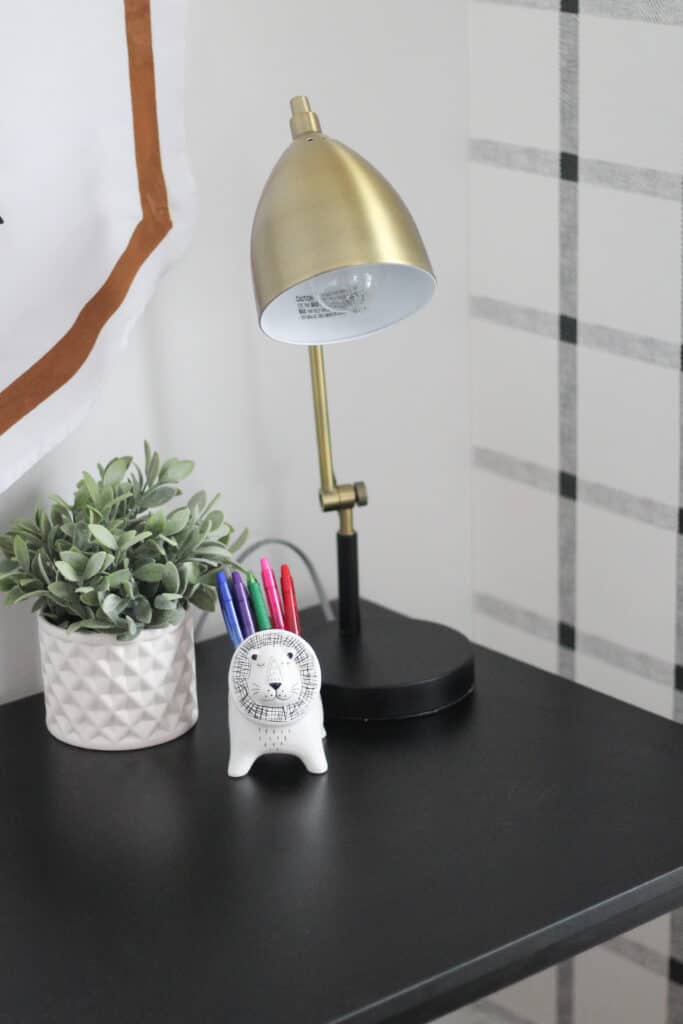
[439, 860]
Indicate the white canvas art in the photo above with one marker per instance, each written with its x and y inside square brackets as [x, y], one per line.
[96, 200]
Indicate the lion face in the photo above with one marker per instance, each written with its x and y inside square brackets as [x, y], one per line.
[274, 676]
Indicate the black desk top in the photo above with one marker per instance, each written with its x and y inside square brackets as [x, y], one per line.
[440, 859]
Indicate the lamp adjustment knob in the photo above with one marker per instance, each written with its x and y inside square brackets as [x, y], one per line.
[343, 496]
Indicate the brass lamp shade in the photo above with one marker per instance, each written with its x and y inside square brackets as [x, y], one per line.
[335, 252]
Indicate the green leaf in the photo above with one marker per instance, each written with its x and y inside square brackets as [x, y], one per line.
[116, 470]
[115, 579]
[171, 541]
[151, 572]
[81, 536]
[153, 470]
[190, 539]
[25, 526]
[204, 598]
[94, 624]
[156, 522]
[170, 578]
[103, 536]
[91, 487]
[215, 520]
[106, 498]
[67, 571]
[116, 499]
[166, 602]
[158, 496]
[17, 595]
[7, 583]
[112, 606]
[67, 530]
[210, 505]
[130, 537]
[157, 545]
[177, 521]
[132, 630]
[27, 582]
[142, 610]
[175, 470]
[240, 542]
[61, 590]
[60, 503]
[209, 578]
[41, 558]
[163, 618]
[76, 559]
[189, 574]
[95, 564]
[21, 553]
[213, 552]
[197, 503]
[43, 522]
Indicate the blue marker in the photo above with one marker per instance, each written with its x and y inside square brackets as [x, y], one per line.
[228, 609]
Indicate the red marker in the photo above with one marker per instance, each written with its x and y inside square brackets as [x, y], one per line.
[272, 595]
[292, 622]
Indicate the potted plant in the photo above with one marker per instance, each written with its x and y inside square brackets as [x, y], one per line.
[112, 576]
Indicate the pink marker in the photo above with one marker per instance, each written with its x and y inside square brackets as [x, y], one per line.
[272, 595]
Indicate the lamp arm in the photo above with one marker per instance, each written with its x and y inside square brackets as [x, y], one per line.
[339, 498]
[322, 422]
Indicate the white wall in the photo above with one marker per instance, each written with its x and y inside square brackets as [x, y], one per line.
[389, 79]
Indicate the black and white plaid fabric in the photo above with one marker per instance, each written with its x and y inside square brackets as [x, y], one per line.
[576, 125]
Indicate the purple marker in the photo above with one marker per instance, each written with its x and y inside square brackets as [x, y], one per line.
[241, 596]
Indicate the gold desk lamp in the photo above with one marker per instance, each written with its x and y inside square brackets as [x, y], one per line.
[336, 255]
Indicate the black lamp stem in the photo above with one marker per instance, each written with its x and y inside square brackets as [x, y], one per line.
[347, 565]
[340, 498]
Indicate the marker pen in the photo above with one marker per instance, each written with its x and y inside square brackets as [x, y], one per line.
[258, 603]
[241, 599]
[291, 611]
[272, 595]
[228, 608]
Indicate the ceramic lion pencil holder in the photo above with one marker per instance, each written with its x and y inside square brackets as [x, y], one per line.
[274, 704]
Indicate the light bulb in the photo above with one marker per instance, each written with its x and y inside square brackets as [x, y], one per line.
[347, 291]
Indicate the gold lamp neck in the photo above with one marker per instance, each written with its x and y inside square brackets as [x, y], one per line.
[303, 120]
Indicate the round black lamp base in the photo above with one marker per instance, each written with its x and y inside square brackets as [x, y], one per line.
[397, 667]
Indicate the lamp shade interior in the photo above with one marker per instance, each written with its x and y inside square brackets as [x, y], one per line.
[347, 303]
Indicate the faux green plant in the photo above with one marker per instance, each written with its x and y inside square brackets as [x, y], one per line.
[114, 560]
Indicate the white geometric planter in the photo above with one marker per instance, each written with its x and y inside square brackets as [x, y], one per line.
[105, 694]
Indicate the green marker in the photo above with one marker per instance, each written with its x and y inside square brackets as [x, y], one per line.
[258, 603]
